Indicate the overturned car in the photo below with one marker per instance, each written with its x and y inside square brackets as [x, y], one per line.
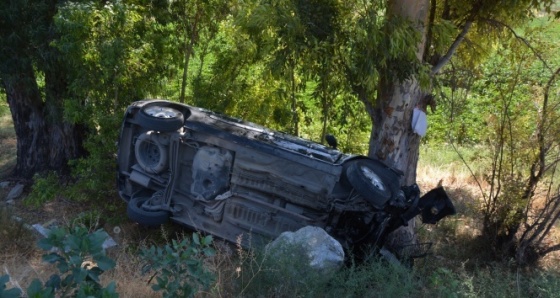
[232, 178]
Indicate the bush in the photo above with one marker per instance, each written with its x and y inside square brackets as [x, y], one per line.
[80, 259]
[179, 267]
[4, 292]
[45, 188]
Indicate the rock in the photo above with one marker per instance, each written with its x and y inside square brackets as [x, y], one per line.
[15, 192]
[324, 253]
[4, 184]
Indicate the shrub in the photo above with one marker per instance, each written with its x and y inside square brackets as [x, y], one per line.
[4, 292]
[179, 267]
[45, 188]
[80, 259]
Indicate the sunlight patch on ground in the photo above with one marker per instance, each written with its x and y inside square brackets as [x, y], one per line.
[8, 145]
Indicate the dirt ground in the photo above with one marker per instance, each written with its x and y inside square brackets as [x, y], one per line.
[22, 259]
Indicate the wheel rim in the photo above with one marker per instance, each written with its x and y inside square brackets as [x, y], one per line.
[161, 112]
[150, 154]
[372, 177]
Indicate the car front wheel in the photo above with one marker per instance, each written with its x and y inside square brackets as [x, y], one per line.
[372, 180]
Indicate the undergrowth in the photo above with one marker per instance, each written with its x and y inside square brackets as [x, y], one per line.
[15, 237]
[187, 265]
[7, 140]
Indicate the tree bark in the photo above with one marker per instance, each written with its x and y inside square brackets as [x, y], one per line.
[44, 140]
[26, 108]
[392, 138]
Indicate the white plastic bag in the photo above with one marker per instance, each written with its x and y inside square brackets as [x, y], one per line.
[419, 122]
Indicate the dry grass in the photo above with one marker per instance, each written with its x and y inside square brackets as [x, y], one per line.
[8, 143]
[22, 260]
[454, 239]
[128, 273]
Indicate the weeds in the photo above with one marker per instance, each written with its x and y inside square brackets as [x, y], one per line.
[259, 272]
[45, 188]
[4, 291]
[8, 141]
[80, 259]
[190, 266]
[179, 267]
[14, 235]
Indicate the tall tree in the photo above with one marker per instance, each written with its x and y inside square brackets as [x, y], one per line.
[399, 92]
[391, 52]
[69, 69]
[33, 76]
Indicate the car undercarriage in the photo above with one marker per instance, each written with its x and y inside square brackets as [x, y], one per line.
[238, 180]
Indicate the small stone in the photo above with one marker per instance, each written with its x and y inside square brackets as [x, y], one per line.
[4, 184]
[15, 192]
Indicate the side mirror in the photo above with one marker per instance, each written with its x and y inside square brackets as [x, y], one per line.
[435, 205]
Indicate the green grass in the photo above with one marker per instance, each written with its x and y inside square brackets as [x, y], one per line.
[435, 276]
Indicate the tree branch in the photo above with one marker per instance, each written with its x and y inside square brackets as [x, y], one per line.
[432, 17]
[445, 59]
[549, 250]
[525, 41]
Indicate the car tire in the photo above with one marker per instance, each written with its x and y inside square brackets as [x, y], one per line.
[144, 217]
[151, 154]
[161, 117]
[373, 180]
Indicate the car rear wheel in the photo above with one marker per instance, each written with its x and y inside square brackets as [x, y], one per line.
[149, 218]
[373, 180]
[161, 117]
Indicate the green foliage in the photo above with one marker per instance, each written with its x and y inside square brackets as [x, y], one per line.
[489, 281]
[80, 259]
[376, 278]
[45, 188]
[4, 108]
[259, 270]
[447, 283]
[179, 267]
[90, 219]
[115, 54]
[7, 293]
[507, 112]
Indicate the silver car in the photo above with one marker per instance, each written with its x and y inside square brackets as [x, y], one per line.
[232, 178]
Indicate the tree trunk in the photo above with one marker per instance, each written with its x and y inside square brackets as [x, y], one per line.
[188, 52]
[187, 58]
[392, 138]
[44, 141]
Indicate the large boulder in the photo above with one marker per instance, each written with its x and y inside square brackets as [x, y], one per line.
[312, 244]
